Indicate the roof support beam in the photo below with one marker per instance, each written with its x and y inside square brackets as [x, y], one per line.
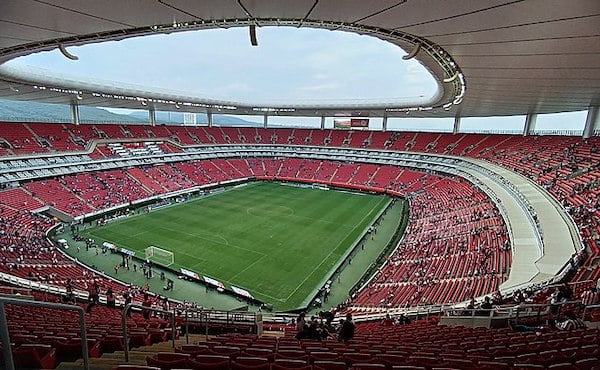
[529, 127]
[209, 118]
[384, 124]
[152, 116]
[266, 121]
[322, 122]
[75, 113]
[456, 128]
[592, 122]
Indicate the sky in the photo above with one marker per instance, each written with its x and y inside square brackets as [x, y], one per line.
[290, 64]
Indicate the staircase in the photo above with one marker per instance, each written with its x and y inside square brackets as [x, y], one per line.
[137, 356]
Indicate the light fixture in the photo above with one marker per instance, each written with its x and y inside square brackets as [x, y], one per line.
[144, 103]
[253, 39]
[452, 78]
[177, 106]
[64, 52]
[14, 89]
[413, 52]
[79, 96]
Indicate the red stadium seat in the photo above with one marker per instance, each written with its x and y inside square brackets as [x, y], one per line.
[330, 365]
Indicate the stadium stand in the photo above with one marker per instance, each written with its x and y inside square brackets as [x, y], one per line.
[483, 264]
[468, 258]
[418, 345]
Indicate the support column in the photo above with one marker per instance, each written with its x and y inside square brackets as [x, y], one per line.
[384, 127]
[209, 118]
[592, 122]
[266, 121]
[152, 115]
[322, 122]
[75, 113]
[529, 124]
[456, 128]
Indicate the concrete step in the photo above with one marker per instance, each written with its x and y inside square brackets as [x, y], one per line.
[137, 356]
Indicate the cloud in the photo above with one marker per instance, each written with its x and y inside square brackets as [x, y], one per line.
[288, 64]
[321, 87]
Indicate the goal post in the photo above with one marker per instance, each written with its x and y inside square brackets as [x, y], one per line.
[160, 256]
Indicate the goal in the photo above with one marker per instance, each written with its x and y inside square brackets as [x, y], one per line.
[160, 256]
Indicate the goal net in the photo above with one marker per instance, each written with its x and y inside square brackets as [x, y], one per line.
[160, 256]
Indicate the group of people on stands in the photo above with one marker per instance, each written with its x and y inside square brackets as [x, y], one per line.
[323, 327]
[20, 244]
[399, 320]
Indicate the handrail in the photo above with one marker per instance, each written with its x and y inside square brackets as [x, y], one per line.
[592, 306]
[5, 336]
[510, 310]
[124, 324]
[230, 317]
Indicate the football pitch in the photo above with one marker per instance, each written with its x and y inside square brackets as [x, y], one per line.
[278, 242]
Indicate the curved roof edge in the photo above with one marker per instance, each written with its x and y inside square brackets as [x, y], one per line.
[28, 83]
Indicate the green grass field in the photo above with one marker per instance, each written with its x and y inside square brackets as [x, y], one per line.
[278, 242]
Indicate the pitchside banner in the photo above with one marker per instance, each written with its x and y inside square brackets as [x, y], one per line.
[213, 282]
[190, 273]
[242, 292]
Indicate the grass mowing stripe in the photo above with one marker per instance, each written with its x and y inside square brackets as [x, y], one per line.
[340, 244]
[226, 242]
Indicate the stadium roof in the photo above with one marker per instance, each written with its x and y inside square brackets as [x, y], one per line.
[513, 57]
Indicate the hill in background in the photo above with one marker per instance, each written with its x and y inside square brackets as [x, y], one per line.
[24, 111]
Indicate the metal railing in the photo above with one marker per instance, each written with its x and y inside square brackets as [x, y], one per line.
[152, 309]
[586, 308]
[514, 313]
[228, 318]
[5, 336]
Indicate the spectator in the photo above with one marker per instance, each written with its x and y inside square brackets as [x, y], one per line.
[497, 298]
[346, 331]
[93, 296]
[128, 299]
[387, 321]
[565, 293]
[571, 322]
[147, 303]
[110, 298]
[300, 322]
[486, 305]
[402, 320]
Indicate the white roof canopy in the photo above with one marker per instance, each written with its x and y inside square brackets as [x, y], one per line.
[513, 57]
